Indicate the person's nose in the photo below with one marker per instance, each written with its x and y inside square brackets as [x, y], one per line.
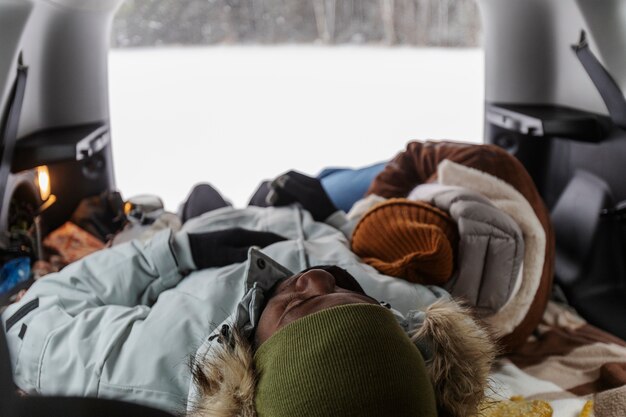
[316, 282]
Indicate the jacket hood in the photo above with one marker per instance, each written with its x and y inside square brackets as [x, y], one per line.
[512, 202]
[225, 380]
[458, 359]
[490, 251]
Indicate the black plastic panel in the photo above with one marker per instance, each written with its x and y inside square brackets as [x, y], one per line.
[606, 159]
[549, 121]
[555, 144]
[552, 142]
[60, 145]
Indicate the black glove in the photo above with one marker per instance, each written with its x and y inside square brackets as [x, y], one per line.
[229, 246]
[102, 215]
[296, 187]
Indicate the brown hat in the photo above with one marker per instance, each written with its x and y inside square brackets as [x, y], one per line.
[407, 239]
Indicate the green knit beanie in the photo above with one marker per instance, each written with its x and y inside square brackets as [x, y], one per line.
[351, 360]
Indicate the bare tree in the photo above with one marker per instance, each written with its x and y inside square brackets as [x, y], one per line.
[443, 22]
[387, 8]
[325, 12]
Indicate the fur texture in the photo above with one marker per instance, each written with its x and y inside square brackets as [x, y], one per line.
[509, 200]
[462, 356]
[226, 381]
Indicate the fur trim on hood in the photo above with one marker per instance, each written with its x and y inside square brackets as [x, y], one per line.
[462, 353]
[461, 356]
[225, 380]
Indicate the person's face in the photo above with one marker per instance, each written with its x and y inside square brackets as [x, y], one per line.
[306, 293]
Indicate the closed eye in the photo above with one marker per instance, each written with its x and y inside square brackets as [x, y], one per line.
[291, 298]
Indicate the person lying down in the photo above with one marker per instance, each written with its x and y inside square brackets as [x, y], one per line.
[278, 316]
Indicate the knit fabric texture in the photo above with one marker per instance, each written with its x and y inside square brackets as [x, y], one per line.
[351, 360]
[407, 239]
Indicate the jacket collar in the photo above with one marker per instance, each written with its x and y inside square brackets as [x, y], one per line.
[261, 274]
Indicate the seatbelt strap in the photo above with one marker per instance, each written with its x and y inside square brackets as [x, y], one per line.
[9, 133]
[604, 82]
[575, 221]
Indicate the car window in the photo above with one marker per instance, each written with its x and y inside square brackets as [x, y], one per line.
[240, 91]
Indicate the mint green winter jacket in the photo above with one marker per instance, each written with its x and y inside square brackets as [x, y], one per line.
[124, 322]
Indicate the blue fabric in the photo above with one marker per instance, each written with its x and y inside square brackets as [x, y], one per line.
[345, 186]
[13, 273]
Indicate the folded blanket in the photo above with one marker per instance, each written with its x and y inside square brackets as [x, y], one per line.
[566, 362]
[418, 164]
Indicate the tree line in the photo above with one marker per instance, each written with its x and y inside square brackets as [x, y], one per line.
[393, 22]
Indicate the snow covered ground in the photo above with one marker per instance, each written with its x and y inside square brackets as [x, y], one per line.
[232, 116]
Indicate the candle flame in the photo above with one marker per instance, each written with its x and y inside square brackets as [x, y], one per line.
[43, 180]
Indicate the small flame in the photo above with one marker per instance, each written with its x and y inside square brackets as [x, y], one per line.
[43, 179]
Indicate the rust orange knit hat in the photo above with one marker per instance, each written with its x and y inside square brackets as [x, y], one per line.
[407, 239]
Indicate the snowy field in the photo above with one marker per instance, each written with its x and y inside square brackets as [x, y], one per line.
[233, 116]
